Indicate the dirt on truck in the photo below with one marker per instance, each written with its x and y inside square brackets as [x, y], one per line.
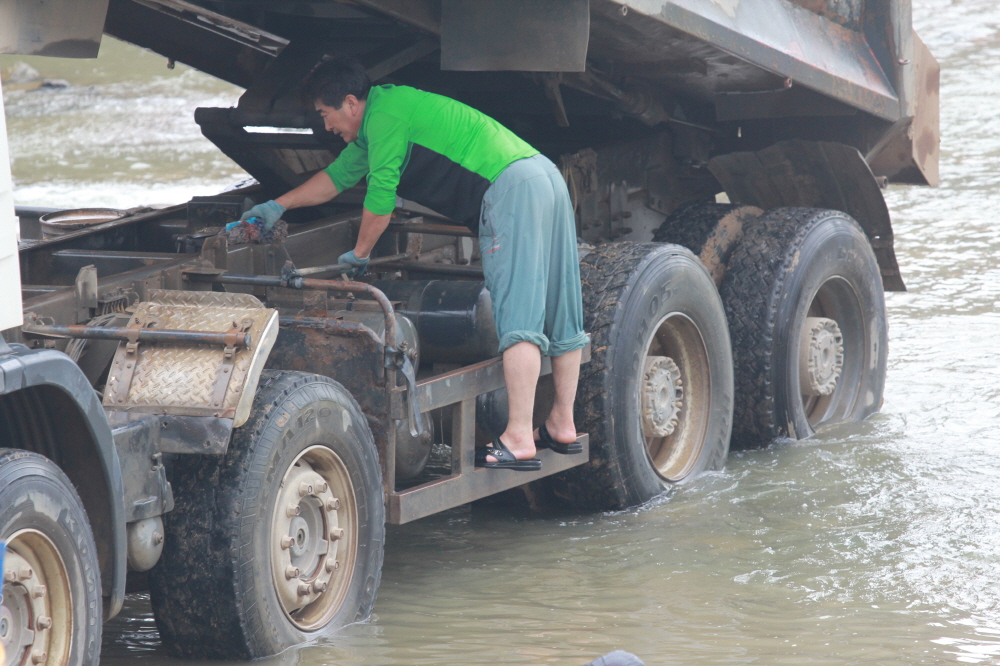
[232, 425]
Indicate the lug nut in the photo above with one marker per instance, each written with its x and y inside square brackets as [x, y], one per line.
[332, 565]
[319, 587]
[24, 573]
[37, 657]
[286, 542]
[323, 487]
[43, 622]
[157, 538]
[292, 572]
[332, 504]
[39, 591]
[336, 533]
[305, 589]
[305, 489]
[292, 510]
[10, 577]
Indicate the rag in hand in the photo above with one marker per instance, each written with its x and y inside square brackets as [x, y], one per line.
[252, 231]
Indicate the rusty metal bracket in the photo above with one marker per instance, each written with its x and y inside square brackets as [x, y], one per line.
[225, 372]
[397, 359]
[126, 366]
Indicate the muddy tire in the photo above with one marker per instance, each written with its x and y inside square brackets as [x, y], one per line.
[52, 583]
[803, 296]
[281, 539]
[657, 394]
[710, 230]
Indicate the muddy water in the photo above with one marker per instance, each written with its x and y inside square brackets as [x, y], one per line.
[876, 543]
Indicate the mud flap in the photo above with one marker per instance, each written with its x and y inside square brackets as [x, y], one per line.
[186, 380]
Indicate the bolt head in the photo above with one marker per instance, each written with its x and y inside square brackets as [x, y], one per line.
[39, 591]
[292, 510]
[37, 657]
[320, 586]
[304, 589]
[291, 572]
[332, 504]
[336, 533]
[10, 577]
[305, 489]
[332, 565]
[43, 622]
[286, 542]
[323, 487]
[25, 573]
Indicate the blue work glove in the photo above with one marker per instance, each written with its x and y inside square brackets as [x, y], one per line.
[266, 215]
[360, 265]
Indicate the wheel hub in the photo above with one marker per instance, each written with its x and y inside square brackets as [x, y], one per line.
[662, 396]
[312, 535]
[35, 622]
[821, 356]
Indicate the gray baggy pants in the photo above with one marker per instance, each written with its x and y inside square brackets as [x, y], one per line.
[527, 238]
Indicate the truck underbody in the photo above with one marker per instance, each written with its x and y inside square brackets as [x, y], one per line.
[705, 324]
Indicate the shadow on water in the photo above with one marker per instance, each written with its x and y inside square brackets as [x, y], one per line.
[870, 543]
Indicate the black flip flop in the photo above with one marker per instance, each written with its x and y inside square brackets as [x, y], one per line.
[505, 459]
[545, 441]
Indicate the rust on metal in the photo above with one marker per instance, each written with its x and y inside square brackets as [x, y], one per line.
[292, 280]
[230, 338]
[451, 491]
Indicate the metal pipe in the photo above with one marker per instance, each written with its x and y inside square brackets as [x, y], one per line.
[295, 281]
[228, 339]
[439, 269]
[342, 268]
[433, 229]
[361, 288]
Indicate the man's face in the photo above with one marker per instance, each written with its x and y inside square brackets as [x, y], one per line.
[345, 122]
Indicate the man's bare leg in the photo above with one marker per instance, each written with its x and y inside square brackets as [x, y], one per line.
[521, 364]
[566, 373]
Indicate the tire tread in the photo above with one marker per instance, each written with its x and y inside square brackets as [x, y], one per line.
[750, 294]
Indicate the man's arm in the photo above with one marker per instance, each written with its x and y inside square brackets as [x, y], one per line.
[318, 189]
[372, 226]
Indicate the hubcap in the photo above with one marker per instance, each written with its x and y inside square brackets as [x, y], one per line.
[36, 622]
[662, 396]
[821, 356]
[834, 350]
[314, 537]
[674, 394]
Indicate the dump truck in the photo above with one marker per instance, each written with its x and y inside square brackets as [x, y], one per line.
[232, 426]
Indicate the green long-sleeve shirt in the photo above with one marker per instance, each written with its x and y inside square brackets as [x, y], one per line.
[429, 149]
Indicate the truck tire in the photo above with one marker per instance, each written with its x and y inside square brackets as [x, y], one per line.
[657, 394]
[282, 538]
[803, 296]
[710, 230]
[51, 611]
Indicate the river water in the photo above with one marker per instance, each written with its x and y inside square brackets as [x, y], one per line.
[875, 543]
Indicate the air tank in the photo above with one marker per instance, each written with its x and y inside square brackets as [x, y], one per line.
[454, 319]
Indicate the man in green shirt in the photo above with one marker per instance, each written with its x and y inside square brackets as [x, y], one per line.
[465, 165]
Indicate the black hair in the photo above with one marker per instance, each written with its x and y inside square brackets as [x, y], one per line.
[334, 80]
